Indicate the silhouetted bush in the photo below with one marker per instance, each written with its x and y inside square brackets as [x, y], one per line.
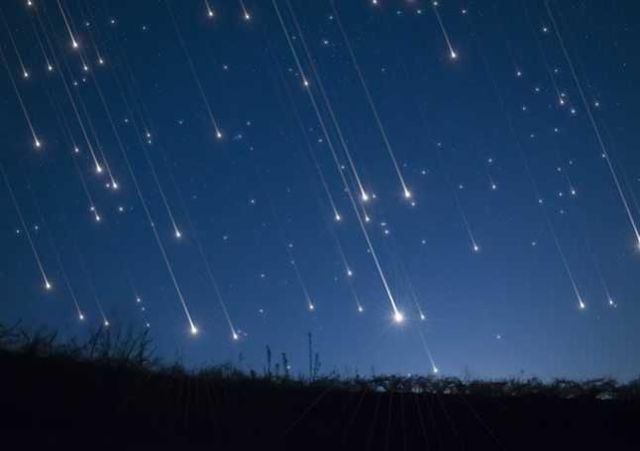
[65, 390]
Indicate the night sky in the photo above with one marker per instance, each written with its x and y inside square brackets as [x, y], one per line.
[452, 188]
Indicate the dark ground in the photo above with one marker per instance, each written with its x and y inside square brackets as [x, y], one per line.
[66, 402]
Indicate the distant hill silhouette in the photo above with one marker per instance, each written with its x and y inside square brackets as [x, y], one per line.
[109, 393]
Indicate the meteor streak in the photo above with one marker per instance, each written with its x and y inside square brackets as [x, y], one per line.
[24, 71]
[427, 351]
[594, 126]
[36, 141]
[74, 41]
[183, 45]
[210, 11]
[329, 141]
[364, 197]
[452, 53]
[245, 13]
[405, 190]
[212, 279]
[565, 263]
[45, 280]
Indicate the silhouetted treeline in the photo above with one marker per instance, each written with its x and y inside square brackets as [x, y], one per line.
[110, 392]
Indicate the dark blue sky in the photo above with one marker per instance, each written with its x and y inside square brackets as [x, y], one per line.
[253, 202]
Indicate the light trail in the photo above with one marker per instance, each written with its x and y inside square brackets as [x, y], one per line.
[603, 280]
[310, 305]
[414, 296]
[72, 293]
[36, 141]
[99, 58]
[337, 217]
[474, 244]
[210, 11]
[501, 104]
[56, 251]
[347, 268]
[398, 317]
[97, 165]
[74, 42]
[405, 190]
[364, 196]
[114, 184]
[235, 335]
[288, 246]
[45, 280]
[528, 171]
[47, 40]
[25, 73]
[214, 122]
[316, 164]
[404, 273]
[625, 177]
[83, 263]
[88, 22]
[122, 85]
[64, 125]
[565, 263]
[176, 230]
[245, 12]
[434, 368]
[594, 125]
[99, 168]
[48, 66]
[452, 53]
[192, 326]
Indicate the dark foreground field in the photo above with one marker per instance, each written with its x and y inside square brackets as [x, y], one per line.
[107, 394]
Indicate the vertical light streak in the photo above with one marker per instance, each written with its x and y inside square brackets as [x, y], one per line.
[245, 12]
[64, 125]
[397, 314]
[434, 368]
[347, 269]
[114, 185]
[214, 122]
[97, 165]
[25, 73]
[288, 246]
[92, 287]
[474, 244]
[452, 53]
[210, 12]
[296, 114]
[212, 279]
[405, 190]
[56, 251]
[122, 85]
[528, 172]
[45, 280]
[176, 230]
[594, 125]
[36, 141]
[193, 328]
[565, 263]
[337, 217]
[364, 196]
[310, 305]
[74, 42]
[48, 66]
